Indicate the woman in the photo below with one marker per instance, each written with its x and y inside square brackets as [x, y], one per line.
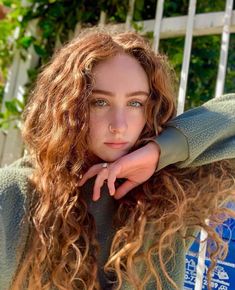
[100, 98]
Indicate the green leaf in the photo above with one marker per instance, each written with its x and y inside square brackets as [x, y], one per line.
[47, 27]
[4, 125]
[40, 50]
[32, 73]
[19, 104]
[11, 107]
[26, 41]
[137, 26]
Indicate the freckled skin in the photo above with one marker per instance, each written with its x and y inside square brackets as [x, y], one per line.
[117, 106]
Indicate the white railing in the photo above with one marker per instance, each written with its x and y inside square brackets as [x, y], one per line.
[224, 48]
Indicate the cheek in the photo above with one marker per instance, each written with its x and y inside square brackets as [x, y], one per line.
[94, 119]
[137, 123]
[96, 125]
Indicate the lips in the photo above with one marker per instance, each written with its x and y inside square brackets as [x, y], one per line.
[116, 145]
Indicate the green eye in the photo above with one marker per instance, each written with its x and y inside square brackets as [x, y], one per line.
[135, 104]
[99, 103]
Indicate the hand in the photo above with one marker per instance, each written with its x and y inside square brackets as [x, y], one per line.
[137, 167]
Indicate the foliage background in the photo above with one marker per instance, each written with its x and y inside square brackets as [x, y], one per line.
[58, 19]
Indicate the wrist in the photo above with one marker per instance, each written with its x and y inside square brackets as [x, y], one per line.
[155, 150]
[173, 145]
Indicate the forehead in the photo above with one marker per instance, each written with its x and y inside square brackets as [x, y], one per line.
[121, 70]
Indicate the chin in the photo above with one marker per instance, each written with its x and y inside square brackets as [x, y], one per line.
[109, 159]
[112, 158]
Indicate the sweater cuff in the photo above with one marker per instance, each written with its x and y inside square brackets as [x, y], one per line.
[173, 145]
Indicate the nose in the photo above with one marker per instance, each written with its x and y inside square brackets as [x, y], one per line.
[118, 122]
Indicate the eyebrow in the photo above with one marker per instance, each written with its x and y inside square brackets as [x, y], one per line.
[108, 93]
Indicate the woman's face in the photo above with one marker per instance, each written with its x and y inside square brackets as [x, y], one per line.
[117, 103]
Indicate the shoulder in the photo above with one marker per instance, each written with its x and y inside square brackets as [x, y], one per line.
[14, 189]
[16, 174]
[14, 186]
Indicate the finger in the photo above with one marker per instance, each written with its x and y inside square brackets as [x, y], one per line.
[111, 183]
[112, 176]
[94, 170]
[101, 177]
[124, 189]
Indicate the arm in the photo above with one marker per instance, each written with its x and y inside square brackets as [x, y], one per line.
[6, 263]
[199, 136]
[13, 188]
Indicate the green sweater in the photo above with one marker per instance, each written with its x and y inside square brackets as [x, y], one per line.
[200, 135]
[209, 132]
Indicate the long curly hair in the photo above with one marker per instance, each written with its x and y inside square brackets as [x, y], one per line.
[153, 222]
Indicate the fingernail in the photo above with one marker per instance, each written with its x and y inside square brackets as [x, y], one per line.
[112, 192]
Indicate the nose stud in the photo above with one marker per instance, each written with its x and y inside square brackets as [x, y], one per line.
[111, 129]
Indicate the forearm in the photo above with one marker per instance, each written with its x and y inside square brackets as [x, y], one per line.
[201, 135]
[173, 147]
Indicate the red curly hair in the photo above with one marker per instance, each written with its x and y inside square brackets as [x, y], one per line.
[62, 248]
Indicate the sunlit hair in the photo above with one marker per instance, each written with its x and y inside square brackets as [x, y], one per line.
[165, 211]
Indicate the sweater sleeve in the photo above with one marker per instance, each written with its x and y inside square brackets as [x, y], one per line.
[201, 135]
[13, 191]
